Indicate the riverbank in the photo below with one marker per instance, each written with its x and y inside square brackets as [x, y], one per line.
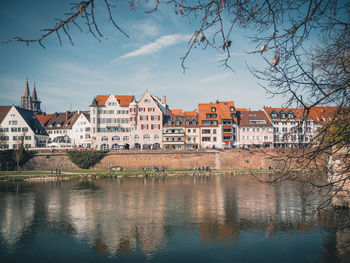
[6, 176]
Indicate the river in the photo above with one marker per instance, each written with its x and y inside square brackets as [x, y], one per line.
[171, 219]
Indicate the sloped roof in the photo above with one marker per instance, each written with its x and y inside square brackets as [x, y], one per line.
[247, 116]
[62, 120]
[43, 118]
[177, 112]
[299, 113]
[323, 114]
[223, 110]
[3, 112]
[182, 119]
[191, 113]
[123, 100]
[32, 121]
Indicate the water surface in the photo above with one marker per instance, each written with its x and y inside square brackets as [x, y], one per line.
[178, 219]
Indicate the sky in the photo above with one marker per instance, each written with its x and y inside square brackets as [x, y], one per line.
[68, 77]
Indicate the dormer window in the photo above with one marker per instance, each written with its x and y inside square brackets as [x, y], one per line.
[177, 122]
[290, 115]
[274, 115]
[187, 122]
[213, 109]
[194, 122]
[170, 122]
[214, 115]
[232, 109]
[282, 115]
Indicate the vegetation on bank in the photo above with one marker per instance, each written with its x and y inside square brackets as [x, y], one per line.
[86, 159]
[11, 160]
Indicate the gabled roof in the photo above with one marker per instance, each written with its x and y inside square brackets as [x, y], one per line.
[32, 121]
[323, 114]
[247, 116]
[223, 110]
[3, 112]
[299, 113]
[61, 120]
[123, 100]
[43, 118]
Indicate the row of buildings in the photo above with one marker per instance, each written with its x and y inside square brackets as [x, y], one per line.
[116, 122]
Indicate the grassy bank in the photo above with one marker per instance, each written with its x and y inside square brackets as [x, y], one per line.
[94, 174]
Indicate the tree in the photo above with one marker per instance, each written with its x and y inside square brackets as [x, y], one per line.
[305, 45]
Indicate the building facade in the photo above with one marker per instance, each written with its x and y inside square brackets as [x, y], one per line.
[20, 126]
[254, 129]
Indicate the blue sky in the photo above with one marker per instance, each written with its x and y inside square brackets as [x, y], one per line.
[68, 77]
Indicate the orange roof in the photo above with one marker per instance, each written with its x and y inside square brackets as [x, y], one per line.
[223, 110]
[299, 113]
[123, 100]
[323, 114]
[191, 113]
[43, 118]
[177, 112]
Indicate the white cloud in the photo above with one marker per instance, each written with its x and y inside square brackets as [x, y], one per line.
[146, 28]
[160, 43]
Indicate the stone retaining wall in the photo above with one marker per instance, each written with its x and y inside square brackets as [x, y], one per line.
[215, 159]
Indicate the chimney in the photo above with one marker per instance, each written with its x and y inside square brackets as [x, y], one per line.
[164, 100]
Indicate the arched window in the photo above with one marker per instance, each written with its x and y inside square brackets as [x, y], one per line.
[125, 138]
[115, 138]
[137, 146]
[156, 146]
[170, 122]
[115, 147]
[146, 136]
[177, 122]
[104, 147]
[104, 138]
[136, 137]
[156, 136]
[187, 122]
[282, 115]
[273, 115]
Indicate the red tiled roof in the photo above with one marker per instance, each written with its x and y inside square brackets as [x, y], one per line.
[3, 112]
[43, 118]
[223, 110]
[247, 116]
[123, 100]
[177, 112]
[191, 113]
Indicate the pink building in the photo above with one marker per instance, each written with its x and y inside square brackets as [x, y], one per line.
[254, 129]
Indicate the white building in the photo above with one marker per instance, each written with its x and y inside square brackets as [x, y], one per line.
[19, 126]
[81, 130]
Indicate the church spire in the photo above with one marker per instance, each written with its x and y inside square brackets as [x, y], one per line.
[34, 96]
[26, 89]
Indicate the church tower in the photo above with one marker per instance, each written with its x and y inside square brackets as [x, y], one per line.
[26, 99]
[35, 101]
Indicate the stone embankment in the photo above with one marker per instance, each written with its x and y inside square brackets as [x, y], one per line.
[190, 159]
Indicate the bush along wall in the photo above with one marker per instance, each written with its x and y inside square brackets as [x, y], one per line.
[8, 160]
[86, 159]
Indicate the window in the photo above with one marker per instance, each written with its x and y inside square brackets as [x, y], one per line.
[205, 139]
[125, 138]
[177, 122]
[146, 136]
[12, 122]
[214, 115]
[206, 123]
[13, 129]
[214, 139]
[215, 122]
[156, 136]
[170, 122]
[257, 121]
[115, 138]
[187, 122]
[144, 127]
[232, 109]
[205, 131]
[227, 130]
[213, 109]
[194, 130]
[28, 138]
[104, 147]
[188, 130]
[104, 138]
[208, 115]
[136, 137]
[154, 126]
[146, 100]
[214, 131]
[194, 122]
[14, 138]
[143, 117]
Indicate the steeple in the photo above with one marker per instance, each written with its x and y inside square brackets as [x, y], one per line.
[26, 89]
[35, 101]
[34, 96]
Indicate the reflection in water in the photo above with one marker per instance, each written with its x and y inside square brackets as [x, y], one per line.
[158, 218]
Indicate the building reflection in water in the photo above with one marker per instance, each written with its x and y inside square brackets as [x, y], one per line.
[124, 217]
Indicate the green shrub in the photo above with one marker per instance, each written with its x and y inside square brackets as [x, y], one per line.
[86, 159]
[8, 162]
